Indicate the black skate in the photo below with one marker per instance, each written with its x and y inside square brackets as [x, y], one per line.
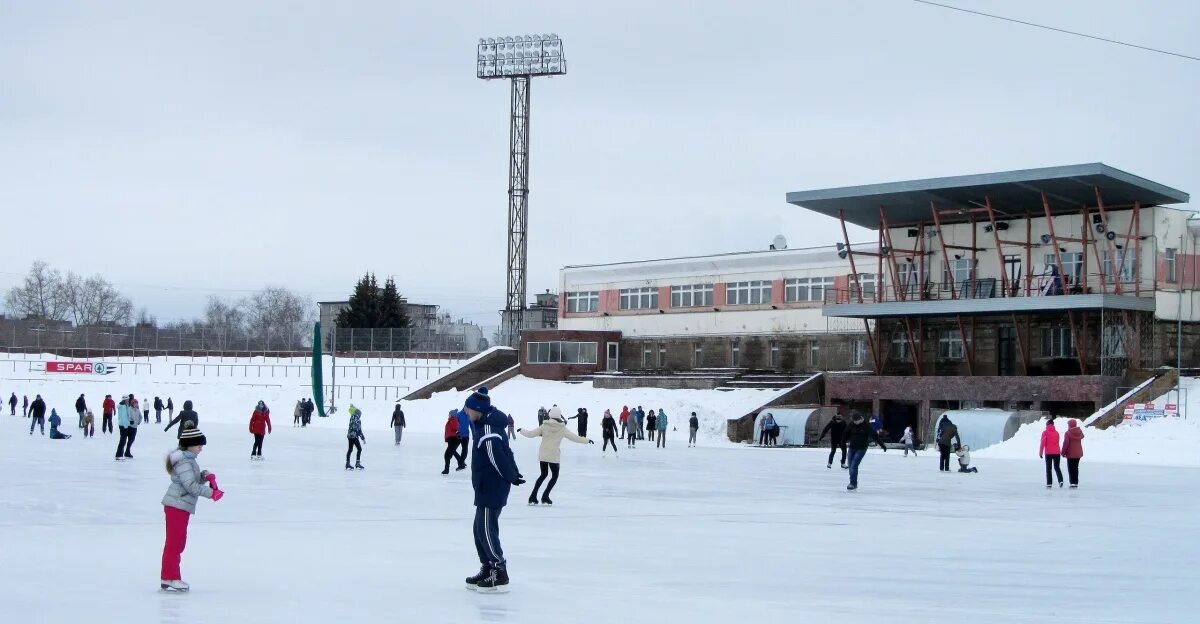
[494, 582]
[348, 466]
[533, 499]
[546, 500]
[359, 466]
[473, 581]
[445, 471]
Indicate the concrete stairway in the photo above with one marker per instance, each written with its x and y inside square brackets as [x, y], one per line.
[497, 364]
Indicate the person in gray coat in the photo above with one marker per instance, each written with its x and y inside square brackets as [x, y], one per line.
[188, 484]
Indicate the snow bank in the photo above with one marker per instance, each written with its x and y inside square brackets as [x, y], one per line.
[1159, 442]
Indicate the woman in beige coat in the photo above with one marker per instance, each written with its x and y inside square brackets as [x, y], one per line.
[552, 432]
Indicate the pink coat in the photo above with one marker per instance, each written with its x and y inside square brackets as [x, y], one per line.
[1049, 445]
[1072, 446]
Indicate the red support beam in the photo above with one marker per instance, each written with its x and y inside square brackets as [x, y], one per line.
[874, 351]
[1137, 254]
[1075, 337]
[937, 222]
[853, 270]
[999, 248]
[1021, 346]
[966, 347]
[1112, 252]
[1084, 233]
[912, 346]
[1062, 278]
[895, 271]
[1028, 253]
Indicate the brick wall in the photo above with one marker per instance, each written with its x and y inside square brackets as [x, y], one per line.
[559, 372]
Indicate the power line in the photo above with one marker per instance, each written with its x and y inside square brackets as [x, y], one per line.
[1059, 30]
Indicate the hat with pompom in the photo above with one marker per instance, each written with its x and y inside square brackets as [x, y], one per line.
[479, 400]
[191, 436]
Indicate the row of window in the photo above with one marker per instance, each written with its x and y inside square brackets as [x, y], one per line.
[655, 355]
[758, 292]
[561, 352]
[1057, 342]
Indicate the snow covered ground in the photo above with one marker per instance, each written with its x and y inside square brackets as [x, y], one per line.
[713, 534]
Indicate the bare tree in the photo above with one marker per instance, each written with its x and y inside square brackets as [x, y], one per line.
[224, 320]
[41, 296]
[93, 301]
[278, 317]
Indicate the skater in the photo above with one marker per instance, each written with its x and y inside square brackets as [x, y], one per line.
[170, 409]
[964, 459]
[836, 429]
[108, 408]
[309, 408]
[398, 423]
[25, 406]
[450, 435]
[12, 405]
[581, 426]
[624, 418]
[188, 484]
[464, 439]
[89, 424]
[651, 424]
[542, 415]
[353, 435]
[187, 418]
[693, 428]
[661, 423]
[512, 433]
[493, 473]
[158, 410]
[631, 438]
[55, 423]
[37, 413]
[640, 418]
[260, 426]
[608, 430]
[1072, 449]
[1050, 450]
[128, 419]
[907, 441]
[145, 405]
[80, 408]
[858, 437]
[552, 433]
[947, 433]
[298, 413]
[765, 428]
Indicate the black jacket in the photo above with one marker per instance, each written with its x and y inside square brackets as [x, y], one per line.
[184, 417]
[694, 422]
[37, 409]
[838, 430]
[158, 404]
[398, 417]
[80, 405]
[608, 425]
[860, 435]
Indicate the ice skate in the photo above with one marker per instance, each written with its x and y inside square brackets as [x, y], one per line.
[851, 488]
[173, 586]
[348, 466]
[533, 499]
[546, 500]
[446, 471]
[494, 582]
[473, 581]
[359, 466]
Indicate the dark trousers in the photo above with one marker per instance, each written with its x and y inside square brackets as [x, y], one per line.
[451, 451]
[650, 432]
[856, 457]
[81, 415]
[662, 438]
[352, 444]
[1053, 460]
[106, 424]
[834, 445]
[632, 439]
[464, 445]
[36, 422]
[158, 415]
[257, 448]
[944, 457]
[487, 537]
[692, 435]
[608, 439]
[1073, 470]
[553, 470]
[125, 443]
[622, 431]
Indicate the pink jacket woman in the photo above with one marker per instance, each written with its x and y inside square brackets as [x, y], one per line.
[1072, 445]
[1049, 445]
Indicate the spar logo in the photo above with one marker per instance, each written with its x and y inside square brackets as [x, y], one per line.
[80, 368]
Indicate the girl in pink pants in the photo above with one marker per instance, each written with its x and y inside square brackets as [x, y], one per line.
[188, 484]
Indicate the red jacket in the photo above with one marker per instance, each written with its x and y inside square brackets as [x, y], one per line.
[624, 416]
[110, 406]
[1049, 445]
[260, 422]
[1072, 446]
[451, 429]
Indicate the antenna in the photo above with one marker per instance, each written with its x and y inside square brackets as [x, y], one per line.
[779, 242]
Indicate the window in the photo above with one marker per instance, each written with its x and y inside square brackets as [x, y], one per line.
[748, 293]
[1012, 266]
[560, 352]
[639, 298]
[950, 345]
[735, 354]
[775, 359]
[1072, 264]
[900, 347]
[814, 353]
[583, 301]
[648, 355]
[1126, 260]
[806, 289]
[698, 356]
[662, 355]
[692, 296]
[867, 282]
[1170, 260]
[858, 352]
[910, 278]
[1058, 342]
[1112, 343]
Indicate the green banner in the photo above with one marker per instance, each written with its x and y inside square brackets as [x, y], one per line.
[318, 385]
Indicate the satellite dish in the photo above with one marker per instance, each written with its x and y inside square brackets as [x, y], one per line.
[779, 242]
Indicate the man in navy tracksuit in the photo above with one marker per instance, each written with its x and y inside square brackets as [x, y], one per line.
[493, 473]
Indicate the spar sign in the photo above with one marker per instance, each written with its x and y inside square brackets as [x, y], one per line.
[1141, 412]
[80, 368]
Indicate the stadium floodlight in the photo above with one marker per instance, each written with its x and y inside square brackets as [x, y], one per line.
[526, 55]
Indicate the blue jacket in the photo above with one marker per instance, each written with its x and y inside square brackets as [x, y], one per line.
[464, 425]
[354, 431]
[55, 421]
[640, 415]
[493, 468]
[660, 423]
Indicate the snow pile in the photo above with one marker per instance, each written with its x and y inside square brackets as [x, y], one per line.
[1158, 442]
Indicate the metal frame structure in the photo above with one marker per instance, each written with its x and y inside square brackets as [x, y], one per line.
[518, 59]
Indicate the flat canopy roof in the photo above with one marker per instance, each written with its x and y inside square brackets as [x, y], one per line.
[1013, 194]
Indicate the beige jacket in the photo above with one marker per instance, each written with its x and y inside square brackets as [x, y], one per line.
[552, 433]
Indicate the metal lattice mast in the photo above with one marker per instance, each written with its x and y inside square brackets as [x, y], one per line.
[518, 208]
[518, 59]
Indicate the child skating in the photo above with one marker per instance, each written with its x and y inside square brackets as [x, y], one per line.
[188, 484]
[964, 459]
[608, 430]
[260, 426]
[908, 440]
[493, 473]
[353, 435]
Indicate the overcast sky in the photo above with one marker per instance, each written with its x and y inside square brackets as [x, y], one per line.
[188, 149]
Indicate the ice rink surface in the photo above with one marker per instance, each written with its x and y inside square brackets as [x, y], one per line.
[712, 534]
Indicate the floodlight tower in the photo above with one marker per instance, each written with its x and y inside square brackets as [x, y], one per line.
[518, 59]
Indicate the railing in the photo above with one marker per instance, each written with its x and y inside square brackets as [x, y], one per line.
[983, 288]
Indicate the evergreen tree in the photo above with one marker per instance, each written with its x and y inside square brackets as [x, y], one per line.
[373, 308]
[393, 313]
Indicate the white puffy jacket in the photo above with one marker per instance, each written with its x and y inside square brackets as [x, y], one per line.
[552, 433]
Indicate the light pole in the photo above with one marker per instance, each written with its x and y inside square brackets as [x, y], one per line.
[518, 59]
